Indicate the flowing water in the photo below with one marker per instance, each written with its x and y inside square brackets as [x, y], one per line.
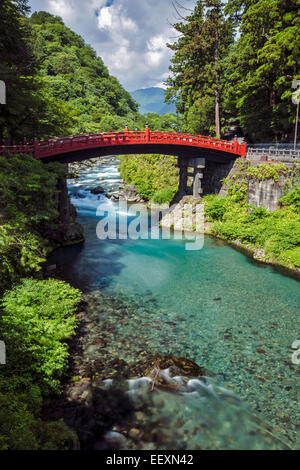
[216, 306]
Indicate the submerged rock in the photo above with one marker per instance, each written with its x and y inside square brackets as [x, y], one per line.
[97, 190]
[162, 370]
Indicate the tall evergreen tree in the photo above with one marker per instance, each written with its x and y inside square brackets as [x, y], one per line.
[195, 83]
[263, 65]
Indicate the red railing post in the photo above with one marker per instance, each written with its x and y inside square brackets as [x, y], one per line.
[244, 150]
[147, 133]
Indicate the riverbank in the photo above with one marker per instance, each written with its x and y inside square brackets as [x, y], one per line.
[267, 237]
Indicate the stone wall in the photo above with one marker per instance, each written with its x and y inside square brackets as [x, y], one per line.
[266, 193]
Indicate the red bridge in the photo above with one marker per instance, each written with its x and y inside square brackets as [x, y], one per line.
[81, 147]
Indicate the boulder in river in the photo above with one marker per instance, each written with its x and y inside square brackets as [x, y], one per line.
[130, 194]
[98, 190]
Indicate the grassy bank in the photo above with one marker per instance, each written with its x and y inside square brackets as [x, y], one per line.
[272, 237]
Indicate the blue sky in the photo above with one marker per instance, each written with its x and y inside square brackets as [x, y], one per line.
[130, 35]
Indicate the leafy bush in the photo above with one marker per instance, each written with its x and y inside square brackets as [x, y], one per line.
[28, 208]
[267, 171]
[37, 319]
[38, 316]
[28, 190]
[151, 174]
[292, 198]
[215, 207]
[277, 232]
[163, 196]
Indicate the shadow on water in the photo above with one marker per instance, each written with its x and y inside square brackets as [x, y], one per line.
[89, 264]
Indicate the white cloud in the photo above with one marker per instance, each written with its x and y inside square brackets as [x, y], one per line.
[129, 35]
[104, 18]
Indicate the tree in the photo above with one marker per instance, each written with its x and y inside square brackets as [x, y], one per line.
[262, 66]
[77, 77]
[197, 67]
[30, 110]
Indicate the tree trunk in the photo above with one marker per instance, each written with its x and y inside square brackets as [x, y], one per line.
[217, 97]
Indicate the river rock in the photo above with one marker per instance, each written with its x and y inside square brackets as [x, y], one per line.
[97, 190]
[130, 194]
[66, 234]
[187, 215]
[176, 365]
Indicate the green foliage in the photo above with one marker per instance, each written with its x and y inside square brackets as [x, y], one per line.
[165, 122]
[164, 195]
[262, 66]
[28, 199]
[16, 421]
[278, 233]
[20, 254]
[251, 77]
[291, 199]
[267, 171]
[196, 80]
[27, 211]
[55, 435]
[75, 76]
[38, 317]
[215, 207]
[29, 108]
[151, 174]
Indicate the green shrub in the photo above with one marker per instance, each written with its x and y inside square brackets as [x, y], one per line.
[277, 232]
[151, 174]
[38, 317]
[291, 199]
[215, 207]
[163, 196]
[16, 423]
[267, 171]
[28, 208]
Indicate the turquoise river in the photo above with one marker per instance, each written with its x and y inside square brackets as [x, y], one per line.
[217, 307]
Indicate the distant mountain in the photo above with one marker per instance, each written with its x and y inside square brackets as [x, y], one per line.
[151, 100]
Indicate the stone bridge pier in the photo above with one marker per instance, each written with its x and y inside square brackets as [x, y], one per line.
[199, 176]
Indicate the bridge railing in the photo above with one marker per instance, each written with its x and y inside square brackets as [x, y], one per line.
[54, 146]
[284, 155]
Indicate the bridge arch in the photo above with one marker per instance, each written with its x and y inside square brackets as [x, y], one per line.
[207, 160]
[81, 147]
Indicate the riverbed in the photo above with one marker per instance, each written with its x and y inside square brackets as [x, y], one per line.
[215, 306]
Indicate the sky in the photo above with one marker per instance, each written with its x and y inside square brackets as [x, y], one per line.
[129, 35]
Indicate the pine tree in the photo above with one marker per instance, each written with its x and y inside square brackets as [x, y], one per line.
[195, 83]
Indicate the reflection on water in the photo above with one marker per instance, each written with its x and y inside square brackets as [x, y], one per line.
[214, 306]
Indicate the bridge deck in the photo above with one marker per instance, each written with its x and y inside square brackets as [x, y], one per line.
[50, 149]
